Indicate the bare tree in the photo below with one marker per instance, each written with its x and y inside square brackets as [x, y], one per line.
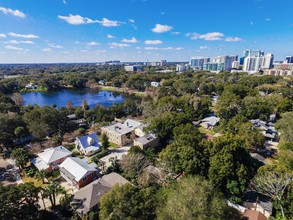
[17, 98]
[272, 184]
[133, 164]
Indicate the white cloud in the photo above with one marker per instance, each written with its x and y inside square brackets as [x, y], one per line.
[83, 51]
[115, 45]
[251, 23]
[153, 42]
[64, 2]
[268, 19]
[108, 23]
[131, 20]
[163, 48]
[93, 43]
[160, 28]
[16, 13]
[56, 46]
[19, 42]
[78, 20]
[213, 36]
[47, 49]
[29, 36]
[3, 35]
[9, 47]
[233, 39]
[110, 36]
[132, 40]
[203, 47]
[175, 33]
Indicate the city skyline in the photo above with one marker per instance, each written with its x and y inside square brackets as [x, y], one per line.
[139, 30]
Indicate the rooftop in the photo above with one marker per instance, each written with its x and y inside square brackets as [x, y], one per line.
[77, 167]
[91, 194]
[52, 154]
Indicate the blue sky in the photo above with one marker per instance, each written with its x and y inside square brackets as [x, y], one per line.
[34, 31]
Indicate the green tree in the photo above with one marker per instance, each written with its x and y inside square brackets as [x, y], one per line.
[21, 157]
[51, 191]
[105, 142]
[193, 198]
[285, 126]
[19, 202]
[128, 202]
[231, 166]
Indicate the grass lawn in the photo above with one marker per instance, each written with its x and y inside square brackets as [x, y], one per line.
[114, 146]
[37, 182]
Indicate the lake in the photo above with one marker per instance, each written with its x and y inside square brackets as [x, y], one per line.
[63, 96]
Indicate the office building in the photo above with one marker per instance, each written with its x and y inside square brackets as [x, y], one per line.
[133, 68]
[220, 63]
[182, 67]
[289, 59]
[198, 62]
[163, 63]
[235, 65]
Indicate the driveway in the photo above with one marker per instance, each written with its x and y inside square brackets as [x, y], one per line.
[116, 153]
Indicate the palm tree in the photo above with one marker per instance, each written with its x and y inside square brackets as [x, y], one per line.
[52, 191]
[41, 174]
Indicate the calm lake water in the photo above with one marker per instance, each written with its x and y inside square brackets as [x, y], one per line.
[62, 97]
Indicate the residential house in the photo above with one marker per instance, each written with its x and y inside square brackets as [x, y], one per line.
[88, 144]
[258, 202]
[88, 197]
[253, 215]
[77, 172]
[267, 129]
[210, 121]
[50, 158]
[81, 122]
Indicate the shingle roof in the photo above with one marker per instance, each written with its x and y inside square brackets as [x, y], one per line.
[92, 193]
[76, 167]
[52, 154]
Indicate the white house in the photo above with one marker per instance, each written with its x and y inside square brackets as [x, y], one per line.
[88, 144]
[78, 172]
[50, 158]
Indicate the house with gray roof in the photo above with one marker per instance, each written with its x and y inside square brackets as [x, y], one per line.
[146, 141]
[88, 144]
[50, 158]
[77, 172]
[88, 197]
[210, 121]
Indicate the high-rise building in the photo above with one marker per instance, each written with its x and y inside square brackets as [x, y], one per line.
[235, 65]
[182, 67]
[198, 62]
[289, 59]
[224, 63]
[163, 63]
[256, 61]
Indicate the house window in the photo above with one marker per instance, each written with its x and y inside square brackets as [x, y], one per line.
[84, 179]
